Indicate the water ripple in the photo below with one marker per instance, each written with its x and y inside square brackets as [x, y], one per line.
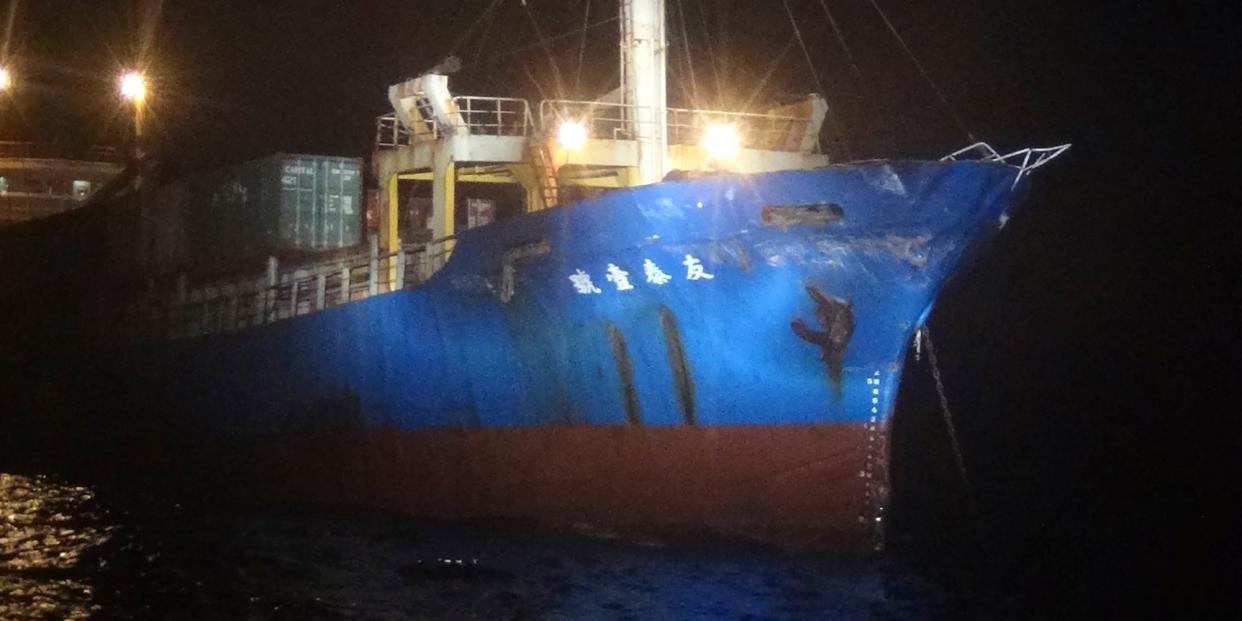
[76, 552]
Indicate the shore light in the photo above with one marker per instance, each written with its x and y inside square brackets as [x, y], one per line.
[133, 86]
[5, 79]
[571, 135]
[721, 141]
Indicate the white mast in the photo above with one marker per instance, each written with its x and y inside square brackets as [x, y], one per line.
[643, 56]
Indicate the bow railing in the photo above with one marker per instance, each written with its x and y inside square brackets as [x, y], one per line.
[1025, 160]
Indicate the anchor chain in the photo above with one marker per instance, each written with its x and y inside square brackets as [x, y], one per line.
[924, 334]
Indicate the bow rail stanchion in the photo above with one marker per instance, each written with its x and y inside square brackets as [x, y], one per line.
[1025, 160]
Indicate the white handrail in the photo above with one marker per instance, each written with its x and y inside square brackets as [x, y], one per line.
[684, 125]
[216, 307]
[511, 116]
[485, 116]
[1025, 160]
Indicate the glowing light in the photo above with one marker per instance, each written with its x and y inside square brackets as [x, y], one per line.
[721, 141]
[5, 78]
[571, 135]
[133, 86]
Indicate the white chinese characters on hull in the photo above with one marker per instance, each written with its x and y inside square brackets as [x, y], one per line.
[652, 273]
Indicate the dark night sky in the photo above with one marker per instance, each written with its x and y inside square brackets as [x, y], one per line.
[1075, 348]
[235, 79]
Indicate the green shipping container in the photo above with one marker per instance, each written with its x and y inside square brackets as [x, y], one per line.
[321, 200]
[274, 205]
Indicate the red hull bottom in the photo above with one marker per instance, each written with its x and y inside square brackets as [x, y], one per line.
[818, 485]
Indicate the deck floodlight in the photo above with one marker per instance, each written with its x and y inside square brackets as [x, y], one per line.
[721, 141]
[133, 86]
[571, 135]
[5, 79]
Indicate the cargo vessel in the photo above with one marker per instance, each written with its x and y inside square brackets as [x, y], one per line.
[711, 340]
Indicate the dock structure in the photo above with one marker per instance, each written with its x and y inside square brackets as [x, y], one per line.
[43, 179]
[565, 149]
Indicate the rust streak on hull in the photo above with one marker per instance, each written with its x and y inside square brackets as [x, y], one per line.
[679, 366]
[625, 373]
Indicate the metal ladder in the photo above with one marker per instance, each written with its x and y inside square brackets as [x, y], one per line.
[545, 170]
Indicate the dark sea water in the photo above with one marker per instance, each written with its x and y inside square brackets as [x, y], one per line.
[71, 551]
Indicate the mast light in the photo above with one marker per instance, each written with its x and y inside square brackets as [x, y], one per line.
[572, 135]
[721, 141]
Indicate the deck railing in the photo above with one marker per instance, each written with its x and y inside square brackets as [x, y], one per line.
[494, 116]
[390, 132]
[481, 116]
[215, 307]
[755, 130]
[503, 116]
[608, 121]
[614, 121]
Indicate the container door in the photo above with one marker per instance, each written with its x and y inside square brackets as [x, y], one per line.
[351, 203]
[290, 192]
[299, 194]
[332, 175]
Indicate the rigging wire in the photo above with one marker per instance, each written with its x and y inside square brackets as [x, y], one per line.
[475, 24]
[711, 51]
[483, 38]
[841, 39]
[849, 57]
[586, 19]
[818, 84]
[547, 49]
[678, 68]
[776, 62]
[548, 39]
[944, 100]
[685, 44]
[538, 85]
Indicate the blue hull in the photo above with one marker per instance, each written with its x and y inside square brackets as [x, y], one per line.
[769, 303]
[721, 349]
